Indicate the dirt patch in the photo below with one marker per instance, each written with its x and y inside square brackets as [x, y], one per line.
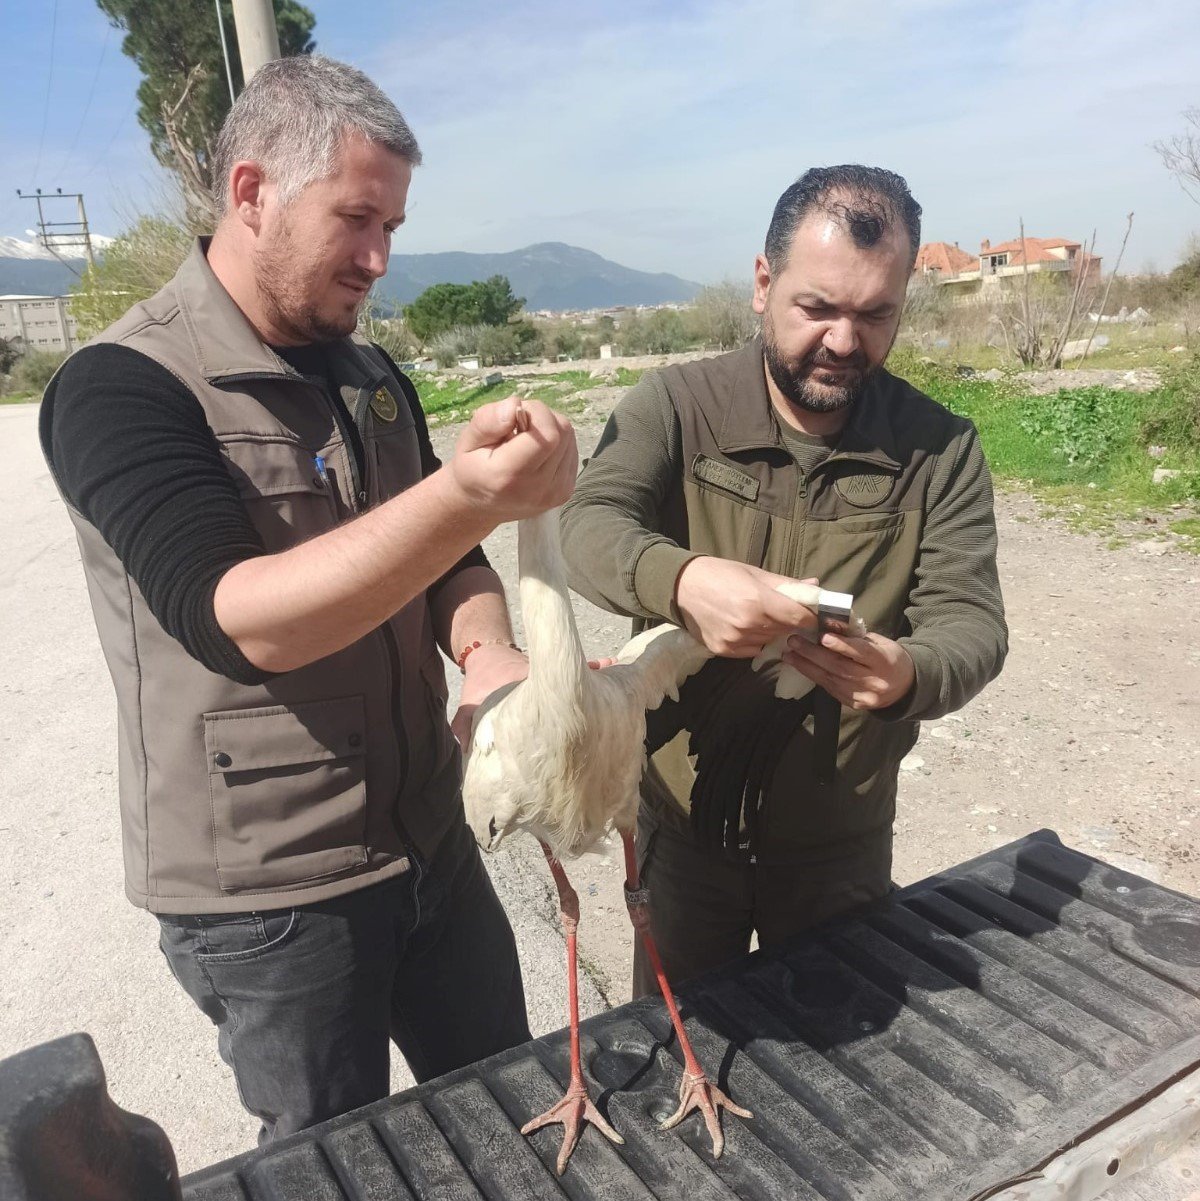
[1041, 383]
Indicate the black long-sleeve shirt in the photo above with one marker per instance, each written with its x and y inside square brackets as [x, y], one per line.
[134, 454]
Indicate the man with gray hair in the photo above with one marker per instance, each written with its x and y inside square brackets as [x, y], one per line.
[274, 556]
[798, 456]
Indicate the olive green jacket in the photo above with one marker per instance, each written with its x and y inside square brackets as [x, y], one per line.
[900, 514]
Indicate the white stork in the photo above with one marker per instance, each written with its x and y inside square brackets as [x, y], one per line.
[561, 754]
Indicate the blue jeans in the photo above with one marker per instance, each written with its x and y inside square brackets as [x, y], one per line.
[306, 999]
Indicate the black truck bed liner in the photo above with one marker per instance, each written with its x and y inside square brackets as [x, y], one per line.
[944, 1044]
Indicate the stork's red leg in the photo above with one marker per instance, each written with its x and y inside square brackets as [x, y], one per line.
[696, 1091]
[576, 1107]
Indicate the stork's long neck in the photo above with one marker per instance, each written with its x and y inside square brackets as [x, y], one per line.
[556, 658]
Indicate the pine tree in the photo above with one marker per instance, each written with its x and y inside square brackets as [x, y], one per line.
[184, 94]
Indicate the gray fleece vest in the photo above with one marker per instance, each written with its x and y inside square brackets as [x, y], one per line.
[238, 797]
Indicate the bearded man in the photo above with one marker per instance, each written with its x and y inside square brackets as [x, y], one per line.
[274, 556]
[798, 456]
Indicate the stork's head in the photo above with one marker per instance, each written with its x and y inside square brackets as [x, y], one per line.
[488, 789]
[490, 812]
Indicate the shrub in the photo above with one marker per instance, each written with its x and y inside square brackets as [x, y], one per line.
[1083, 426]
[33, 371]
[1174, 416]
[134, 266]
[450, 344]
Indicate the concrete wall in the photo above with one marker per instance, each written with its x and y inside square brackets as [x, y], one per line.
[38, 323]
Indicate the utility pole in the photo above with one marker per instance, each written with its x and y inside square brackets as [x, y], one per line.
[225, 52]
[70, 235]
[258, 39]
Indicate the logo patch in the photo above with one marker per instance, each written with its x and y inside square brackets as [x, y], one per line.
[721, 475]
[383, 403]
[864, 491]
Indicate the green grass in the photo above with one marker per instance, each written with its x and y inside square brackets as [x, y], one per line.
[20, 398]
[457, 399]
[1085, 451]
[1130, 347]
[1188, 529]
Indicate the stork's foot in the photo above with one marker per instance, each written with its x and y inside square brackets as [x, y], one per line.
[572, 1111]
[698, 1092]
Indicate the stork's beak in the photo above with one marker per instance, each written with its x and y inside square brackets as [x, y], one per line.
[494, 835]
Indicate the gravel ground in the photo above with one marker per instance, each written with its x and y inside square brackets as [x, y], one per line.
[77, 955]
[1091, 730]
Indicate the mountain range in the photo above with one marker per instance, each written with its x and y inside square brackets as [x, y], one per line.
[549, 275]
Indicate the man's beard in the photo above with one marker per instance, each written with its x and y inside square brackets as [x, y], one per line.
[277, 279]
[795, 382]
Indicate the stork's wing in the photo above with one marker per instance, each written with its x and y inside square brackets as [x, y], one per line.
[657, 661]
[790, 685]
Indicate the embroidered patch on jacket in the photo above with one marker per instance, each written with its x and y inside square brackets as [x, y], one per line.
[864, 491]
[384, 405]
[721, 475]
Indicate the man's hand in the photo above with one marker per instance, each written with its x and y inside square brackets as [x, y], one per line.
[863, 673]
[734, 609]
[487, 668]
[511, 473]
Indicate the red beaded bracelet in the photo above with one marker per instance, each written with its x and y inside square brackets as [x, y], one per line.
[474, 646]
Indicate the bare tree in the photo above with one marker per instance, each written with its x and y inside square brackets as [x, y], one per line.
[1181, 154]
[1044, 316]
[723, 317]
[1107, 290]
[191, 160]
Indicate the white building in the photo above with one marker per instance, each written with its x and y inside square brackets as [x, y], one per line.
[38, 323]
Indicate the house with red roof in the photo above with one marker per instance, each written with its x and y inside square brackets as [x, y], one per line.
[947, 265]
[1038, 254]
[943, 260]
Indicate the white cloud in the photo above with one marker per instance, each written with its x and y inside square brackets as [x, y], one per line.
[662, 135]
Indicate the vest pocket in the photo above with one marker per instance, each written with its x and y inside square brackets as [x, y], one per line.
[287, 787]
[285, 494]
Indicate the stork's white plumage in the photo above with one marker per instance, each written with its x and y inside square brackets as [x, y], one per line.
[561, 753]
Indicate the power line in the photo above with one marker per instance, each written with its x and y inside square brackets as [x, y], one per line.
[116, 131]
[87, 107]
[49, 83]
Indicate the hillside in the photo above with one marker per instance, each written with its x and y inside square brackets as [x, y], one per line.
[549, 275]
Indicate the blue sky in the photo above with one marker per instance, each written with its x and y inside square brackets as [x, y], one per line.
[661, 133]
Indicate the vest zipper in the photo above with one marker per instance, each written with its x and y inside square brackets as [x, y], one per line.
[356, 441]
[799, 525]
[356, 453]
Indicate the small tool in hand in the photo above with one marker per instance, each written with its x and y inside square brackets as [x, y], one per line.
[520, 418]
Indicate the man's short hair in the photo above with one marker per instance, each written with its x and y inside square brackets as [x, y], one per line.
[292, 117]
[866, 201]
